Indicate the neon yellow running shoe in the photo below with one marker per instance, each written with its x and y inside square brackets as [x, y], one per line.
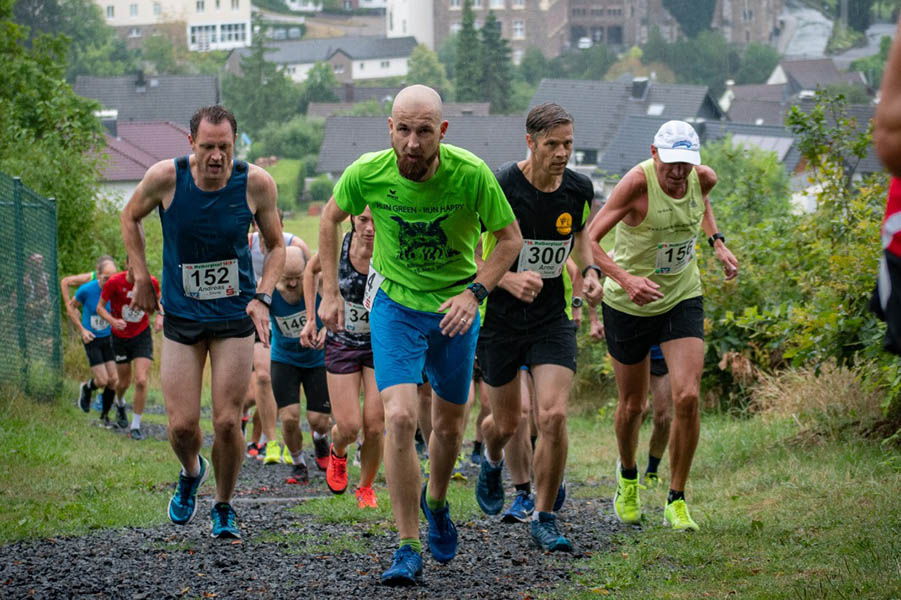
[651, 480]
[286, 455]
[273, 453]
[626, 503]
[458, 473]
[676, 515]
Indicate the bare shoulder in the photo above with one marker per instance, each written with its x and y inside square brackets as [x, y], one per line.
[258, 179]
[633, 185]
[161, 175]
[707, 177]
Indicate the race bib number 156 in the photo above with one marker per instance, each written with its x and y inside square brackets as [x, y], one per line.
[672, 258]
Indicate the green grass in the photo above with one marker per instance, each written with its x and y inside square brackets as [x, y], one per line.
[305, 227]
[782, 515]
[285, 172]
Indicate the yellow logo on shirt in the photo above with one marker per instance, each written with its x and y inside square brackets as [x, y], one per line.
[565, 224]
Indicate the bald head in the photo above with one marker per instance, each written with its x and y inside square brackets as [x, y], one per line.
[294, 261]
[417, 100]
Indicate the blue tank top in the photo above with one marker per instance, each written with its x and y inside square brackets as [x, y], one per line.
[287, 321]
[207, 270]
[88, 295]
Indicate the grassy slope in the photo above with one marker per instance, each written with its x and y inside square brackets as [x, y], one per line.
[779, 519]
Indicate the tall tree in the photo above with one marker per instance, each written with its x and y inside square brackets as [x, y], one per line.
[424, 68]
[534, 66]
[319, 86]
[497, 68]
[859, 14]
[468, 67]
[693, 16]
[48, 135]
[757, 63]
[263, 92]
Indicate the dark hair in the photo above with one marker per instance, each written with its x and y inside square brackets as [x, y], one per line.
[215, 114]
[545, 116]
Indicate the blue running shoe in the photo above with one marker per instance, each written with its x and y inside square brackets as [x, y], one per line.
[546, 536]
[183, 504]
[521, 510]
[225, 521]
[407, 566]
[442, 533]
[561, 496]
[489, 489]
[98, 403]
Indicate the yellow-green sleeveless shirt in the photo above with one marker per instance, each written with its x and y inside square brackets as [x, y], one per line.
[661, 248]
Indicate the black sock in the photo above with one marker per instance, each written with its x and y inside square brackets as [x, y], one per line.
[629, 473]
[523, 487]
[477, 447]
[91, 385]
[535, 437]
[418, 436]
[674, 495]
[107, 397]
[653, 463]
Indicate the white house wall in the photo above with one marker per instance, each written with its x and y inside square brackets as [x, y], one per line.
[379, 67]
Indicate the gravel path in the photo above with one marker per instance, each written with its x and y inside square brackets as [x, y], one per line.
[285, 554]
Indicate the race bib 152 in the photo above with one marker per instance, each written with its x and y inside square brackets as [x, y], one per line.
[212, 280]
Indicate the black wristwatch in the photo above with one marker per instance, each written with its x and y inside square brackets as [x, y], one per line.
[577, 302]
[478, 290]
[716, 236]
[264, 298]
[593, 268]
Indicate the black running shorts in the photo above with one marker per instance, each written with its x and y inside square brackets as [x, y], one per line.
[629, 338]
[99, 351]
[190, 332]
[502, 353]
[286, 382]
[128, 349]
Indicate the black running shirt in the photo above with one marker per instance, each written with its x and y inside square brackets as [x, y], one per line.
[548, 221]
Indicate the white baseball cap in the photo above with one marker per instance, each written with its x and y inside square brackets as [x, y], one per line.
[677, 141]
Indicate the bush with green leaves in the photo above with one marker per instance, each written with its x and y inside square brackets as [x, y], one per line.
[321, 188]
[296, 138]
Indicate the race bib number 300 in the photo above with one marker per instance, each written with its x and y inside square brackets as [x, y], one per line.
[212, 280]
[356, 318]
[545, 257]
[672, 258]
[292, 325]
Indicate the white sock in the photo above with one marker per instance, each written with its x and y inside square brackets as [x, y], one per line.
[299, 458]
[319, 436]
[263, 438]
[491, 462]
[135, 421]
[120, 400]
[196, 470]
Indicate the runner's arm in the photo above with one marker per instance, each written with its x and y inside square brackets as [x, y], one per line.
[119, 324]
[310, 330]
[262, 196]
[158, 183]
[70, 281]
[587, 285]
[330, 310]
[887, 124]
[708, 180]
[623, 200]
[73, 309]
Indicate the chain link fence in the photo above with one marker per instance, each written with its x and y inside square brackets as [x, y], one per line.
[30, 341]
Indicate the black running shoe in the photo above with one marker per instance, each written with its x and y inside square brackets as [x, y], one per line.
[121, 418]
[84, 397]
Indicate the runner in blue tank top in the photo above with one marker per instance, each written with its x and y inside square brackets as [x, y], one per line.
[212, 304]
[95, 333]
[294, 365]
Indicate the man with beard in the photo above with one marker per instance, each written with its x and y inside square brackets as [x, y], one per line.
[428, 202]
[206, 201]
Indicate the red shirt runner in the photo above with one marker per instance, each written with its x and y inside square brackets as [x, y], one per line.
[118, 291]
[891, 225]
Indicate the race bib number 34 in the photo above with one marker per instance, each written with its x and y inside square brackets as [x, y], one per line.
[292, 325]
[545, 257]
[212, 280]
[356, 318]
[672, 258]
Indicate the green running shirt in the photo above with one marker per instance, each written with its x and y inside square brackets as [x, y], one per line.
[426, 232]
[661, 248]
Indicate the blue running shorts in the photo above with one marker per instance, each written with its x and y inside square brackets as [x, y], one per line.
[406, 342]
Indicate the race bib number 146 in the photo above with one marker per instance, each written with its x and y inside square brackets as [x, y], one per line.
[292, 325]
